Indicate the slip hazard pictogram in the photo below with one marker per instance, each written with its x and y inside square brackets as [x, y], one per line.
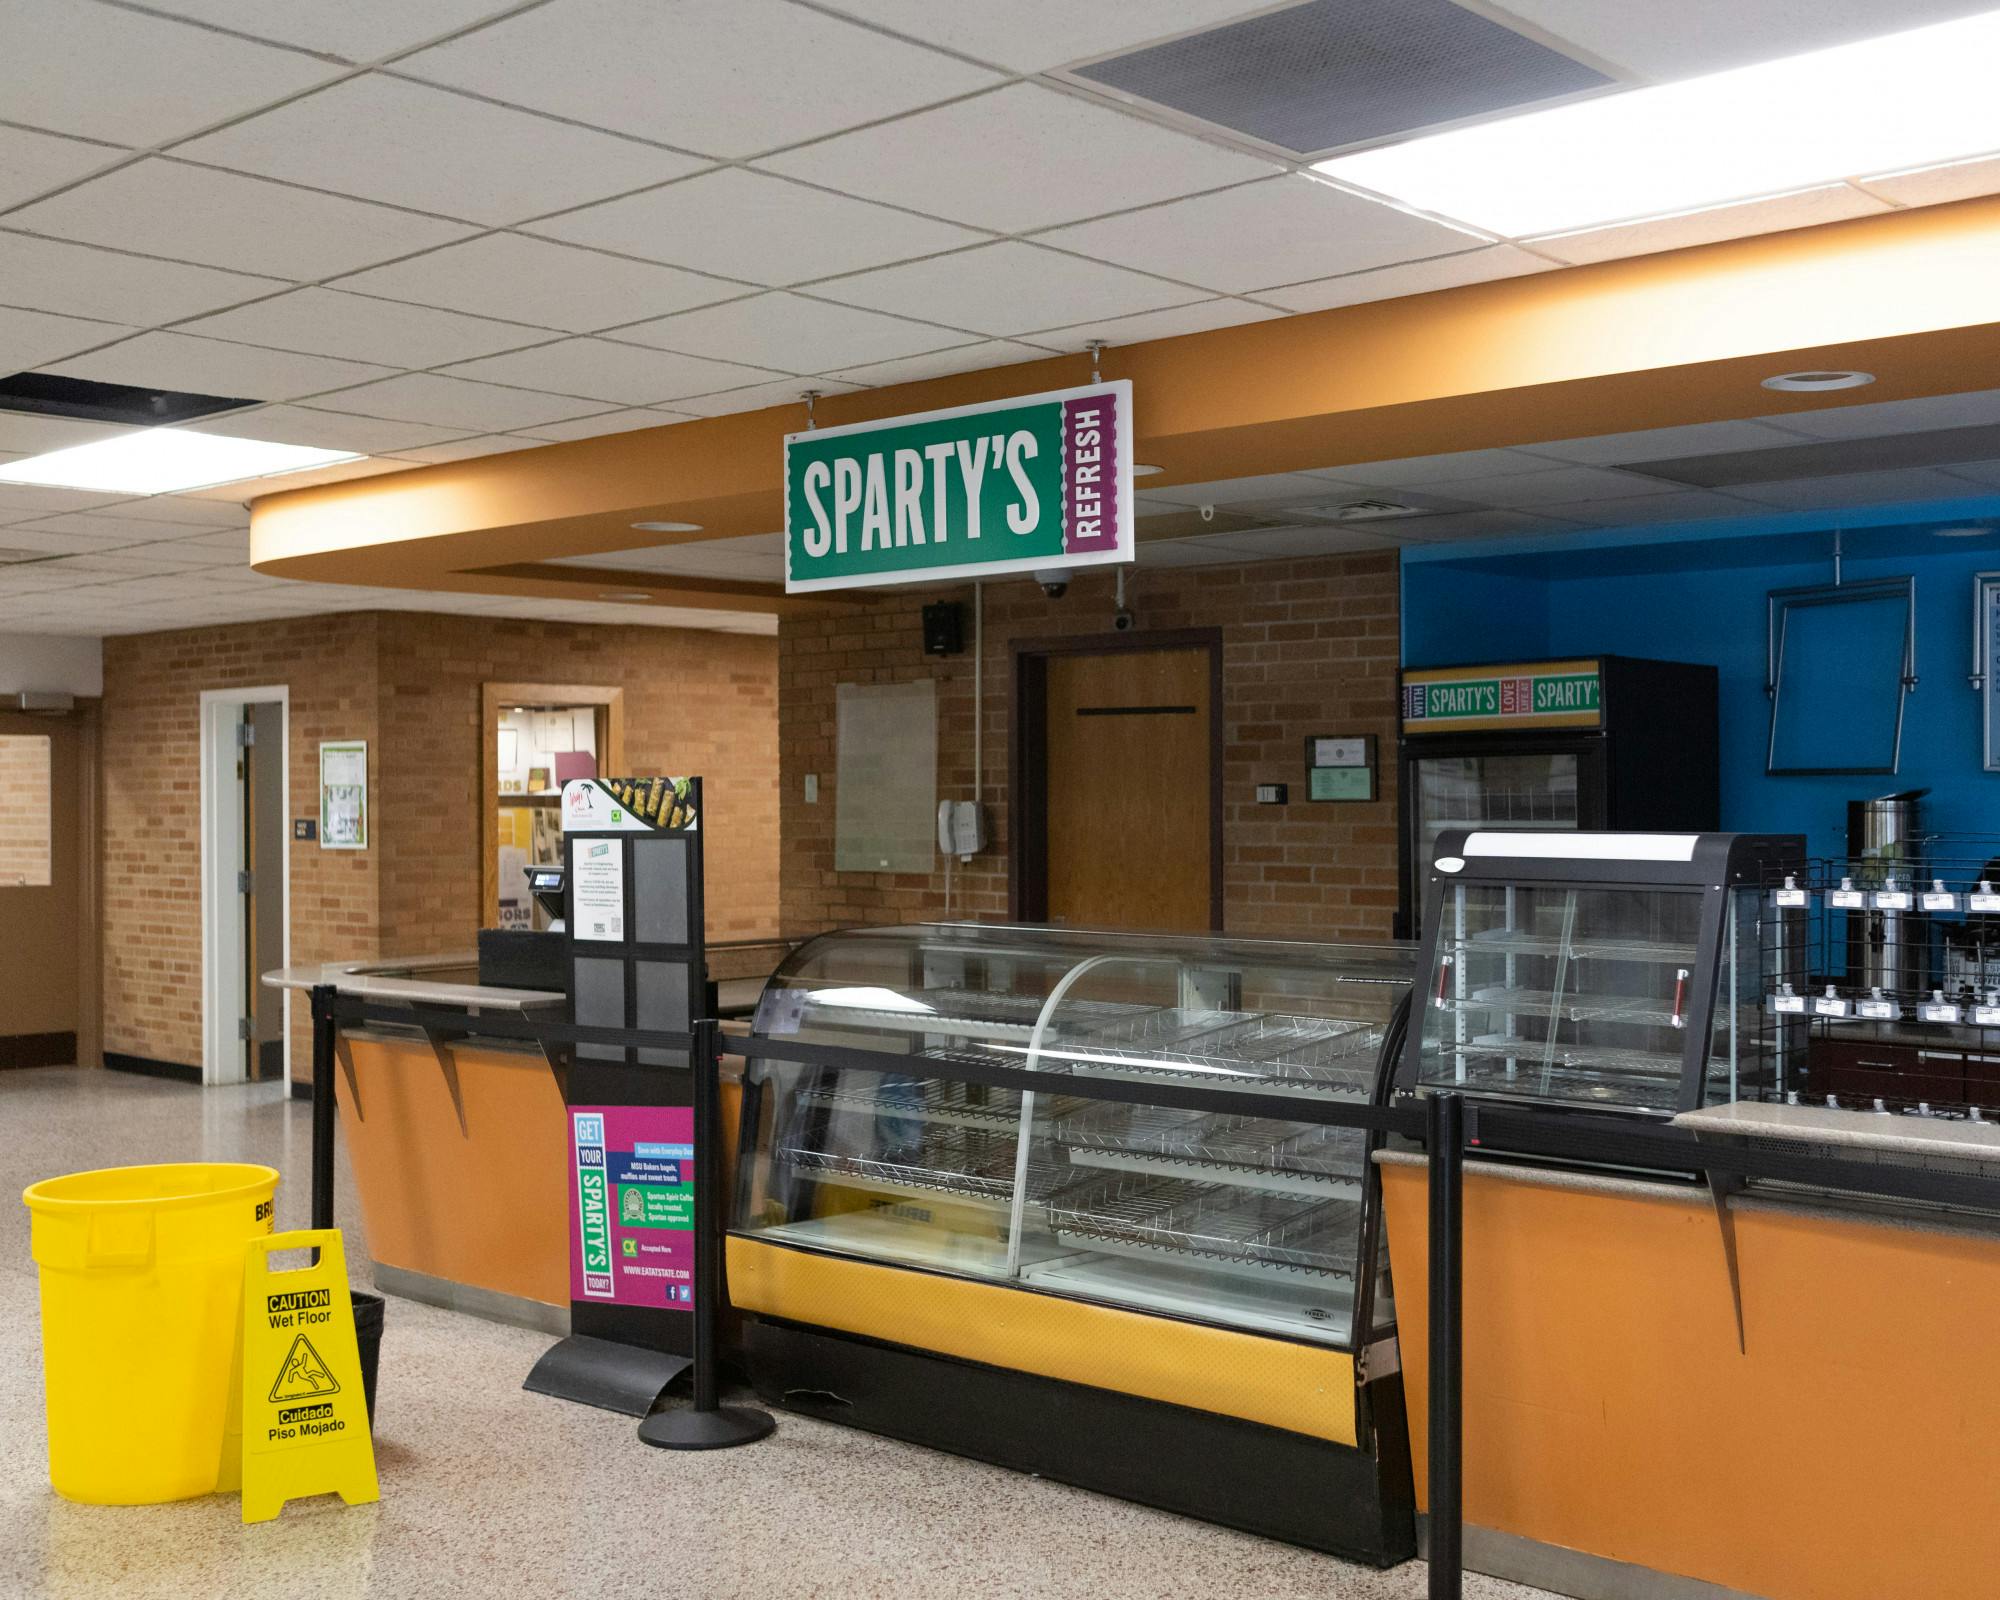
[304, 1376]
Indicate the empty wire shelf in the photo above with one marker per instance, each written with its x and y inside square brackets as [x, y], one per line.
[1233, 1226]
[1327, 1055]
[1202, 1141]
[1573, 1006]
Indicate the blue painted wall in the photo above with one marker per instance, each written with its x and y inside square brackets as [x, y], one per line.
[1699, 597]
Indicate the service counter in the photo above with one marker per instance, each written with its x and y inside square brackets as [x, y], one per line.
[1620, 1441]
[457, 1141]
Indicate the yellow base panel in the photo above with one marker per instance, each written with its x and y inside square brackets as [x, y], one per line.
[1293, 1386]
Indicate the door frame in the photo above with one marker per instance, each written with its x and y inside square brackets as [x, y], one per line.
[1028, 759]
[223, 1056]
[610, 704]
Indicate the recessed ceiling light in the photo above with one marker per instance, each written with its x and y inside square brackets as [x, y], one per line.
[164, 460]
[667, 527]
[1142, 469]
[1818, 382]
[1963, 533]
[1902, 100]
[624, 594]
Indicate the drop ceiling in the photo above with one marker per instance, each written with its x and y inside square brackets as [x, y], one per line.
[431, 229]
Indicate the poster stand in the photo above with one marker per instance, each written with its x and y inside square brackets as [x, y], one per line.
[633, 914]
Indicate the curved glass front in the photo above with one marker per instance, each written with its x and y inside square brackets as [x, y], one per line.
[1248, 1219]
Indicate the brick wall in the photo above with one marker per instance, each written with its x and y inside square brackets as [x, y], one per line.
[24, 808]
[152, 812]
[409, 684]
[1309, 647]
[694, 702]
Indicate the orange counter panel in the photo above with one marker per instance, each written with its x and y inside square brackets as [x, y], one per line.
[1850, 1452]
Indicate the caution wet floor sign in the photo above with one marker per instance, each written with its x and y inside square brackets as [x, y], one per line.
[305, 1415]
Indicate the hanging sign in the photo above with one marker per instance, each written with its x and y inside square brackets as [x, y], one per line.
[1537, 694]
[627, 805]
[1039, 482]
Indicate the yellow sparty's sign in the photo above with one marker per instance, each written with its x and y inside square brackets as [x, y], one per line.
[305, 1414]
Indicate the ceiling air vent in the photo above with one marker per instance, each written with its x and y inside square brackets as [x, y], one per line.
[1363, 511]
[45, 394]
[1330, 73]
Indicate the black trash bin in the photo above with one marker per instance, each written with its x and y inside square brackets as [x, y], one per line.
[368, 1310]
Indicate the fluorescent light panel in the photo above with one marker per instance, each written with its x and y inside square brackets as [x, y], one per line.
[163, 460]
[1905, 100]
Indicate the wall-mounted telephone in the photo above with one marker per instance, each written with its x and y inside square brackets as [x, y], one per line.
[961, 827]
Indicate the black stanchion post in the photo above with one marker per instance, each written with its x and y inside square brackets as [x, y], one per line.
[1445, 1136]
[707, 1424]
[324, 1055]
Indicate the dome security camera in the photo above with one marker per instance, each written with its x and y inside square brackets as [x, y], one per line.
[1054, 581]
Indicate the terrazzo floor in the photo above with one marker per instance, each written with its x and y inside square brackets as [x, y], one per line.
[487, 1490]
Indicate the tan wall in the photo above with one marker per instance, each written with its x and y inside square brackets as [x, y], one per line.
[24, 808]
[408, 684]
[1309, 647]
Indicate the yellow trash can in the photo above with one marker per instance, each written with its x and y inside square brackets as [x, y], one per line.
[142, 1312]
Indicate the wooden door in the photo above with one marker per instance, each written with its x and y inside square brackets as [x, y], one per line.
[1130, 789]
[41, 876]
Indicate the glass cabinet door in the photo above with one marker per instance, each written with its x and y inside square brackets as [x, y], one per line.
[1517, 791]
[1580, 995]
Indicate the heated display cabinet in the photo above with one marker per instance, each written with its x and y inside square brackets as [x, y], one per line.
[1615, 972]
[1101, 1280]
[1600, 742]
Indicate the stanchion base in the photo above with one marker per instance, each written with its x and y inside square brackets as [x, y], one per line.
[606, 1374]
[688, 1429]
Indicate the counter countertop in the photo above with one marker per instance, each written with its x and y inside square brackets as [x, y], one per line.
[1863, 1130]
[402, 981]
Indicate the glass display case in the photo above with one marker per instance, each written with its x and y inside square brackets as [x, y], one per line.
[1615, 972]
[1105, 1190]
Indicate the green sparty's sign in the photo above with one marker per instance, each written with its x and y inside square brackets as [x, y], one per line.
[1039, 482]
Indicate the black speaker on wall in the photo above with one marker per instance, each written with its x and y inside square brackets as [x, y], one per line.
[944, 628]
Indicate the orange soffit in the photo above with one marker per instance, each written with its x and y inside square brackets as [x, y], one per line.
[1681, 337]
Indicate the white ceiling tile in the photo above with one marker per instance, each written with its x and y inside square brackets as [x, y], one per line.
[94, 526]
[599, 369]
[1279, 231]
[1200, 317]
[792, 334]
[1034, 35]
[1479, 525]
[35, 338]
[604, 422]
[102, 72]
[484, 163]
[760, 396]
[761, 229]
[185, 555]
[1484, 265]
[1694, 505]
[1972, 409]
[354, 30]
[24, 435]
[83, 281]
[1419, 471]
[20, 501]
[225, 219]
[188, 518]
[454, 403]
[943, 363]
[214, 366]
[1023, 157]
[486, 444]
[1833, 203]
[1666, 444]
[1539, 490]
[252, 488]
[723, 77]
[1297, 488]
[355, 327]
[541, 282]
[1859, 489]
[1006, 288]
[1929, 186]
[33, 163]
[334, 430]
[1692, 37]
